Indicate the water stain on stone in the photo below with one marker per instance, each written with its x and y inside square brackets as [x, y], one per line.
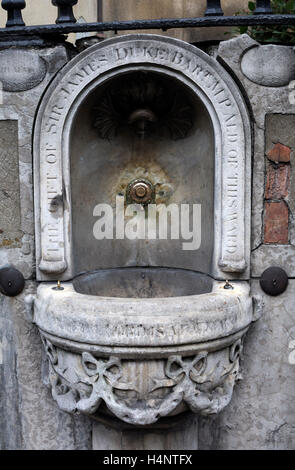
[152, 172]
[6, 242]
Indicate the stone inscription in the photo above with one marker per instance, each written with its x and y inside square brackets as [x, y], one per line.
[158, 331]
[10, 233]
[233, 186]
[187, 64]
[52, 198]
[213, 85]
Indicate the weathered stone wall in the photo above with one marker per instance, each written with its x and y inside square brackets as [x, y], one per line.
[29, 418]
[261, 414]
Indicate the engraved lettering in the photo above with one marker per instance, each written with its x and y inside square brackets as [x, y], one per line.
[121, 53]
[232, 216]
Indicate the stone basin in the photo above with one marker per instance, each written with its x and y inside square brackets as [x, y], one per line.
[147, 312]
[143, 283]
[141, 344]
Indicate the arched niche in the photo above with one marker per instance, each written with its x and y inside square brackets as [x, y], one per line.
[176, 154]
[205, 79]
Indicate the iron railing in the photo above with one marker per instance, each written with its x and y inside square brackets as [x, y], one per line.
[17, 32]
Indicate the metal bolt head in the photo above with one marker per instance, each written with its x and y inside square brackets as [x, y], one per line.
[140, 192]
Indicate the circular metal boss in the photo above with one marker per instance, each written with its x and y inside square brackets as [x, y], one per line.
[12, 281]
[274, 281]
[140, 192]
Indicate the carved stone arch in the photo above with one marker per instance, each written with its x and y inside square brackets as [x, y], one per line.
[230, 120]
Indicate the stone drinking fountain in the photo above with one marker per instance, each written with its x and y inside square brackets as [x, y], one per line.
[139, 330]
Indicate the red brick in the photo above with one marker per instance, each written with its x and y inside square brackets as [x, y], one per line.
[277, 182]
[279, 153]
[276, 218]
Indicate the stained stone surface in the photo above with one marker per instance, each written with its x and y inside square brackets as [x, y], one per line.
[273, 122]
[29, 418]
[273, 255]
[21, 69]
[18, 109]
[261, 414]
[183, 436]
[10, 426]
[10, 233]
[182, 172]
[276, 65]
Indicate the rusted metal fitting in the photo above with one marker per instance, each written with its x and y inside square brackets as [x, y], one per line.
[140, 191]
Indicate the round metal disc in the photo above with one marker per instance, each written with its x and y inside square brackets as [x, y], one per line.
[12, 281]
[274, 281]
